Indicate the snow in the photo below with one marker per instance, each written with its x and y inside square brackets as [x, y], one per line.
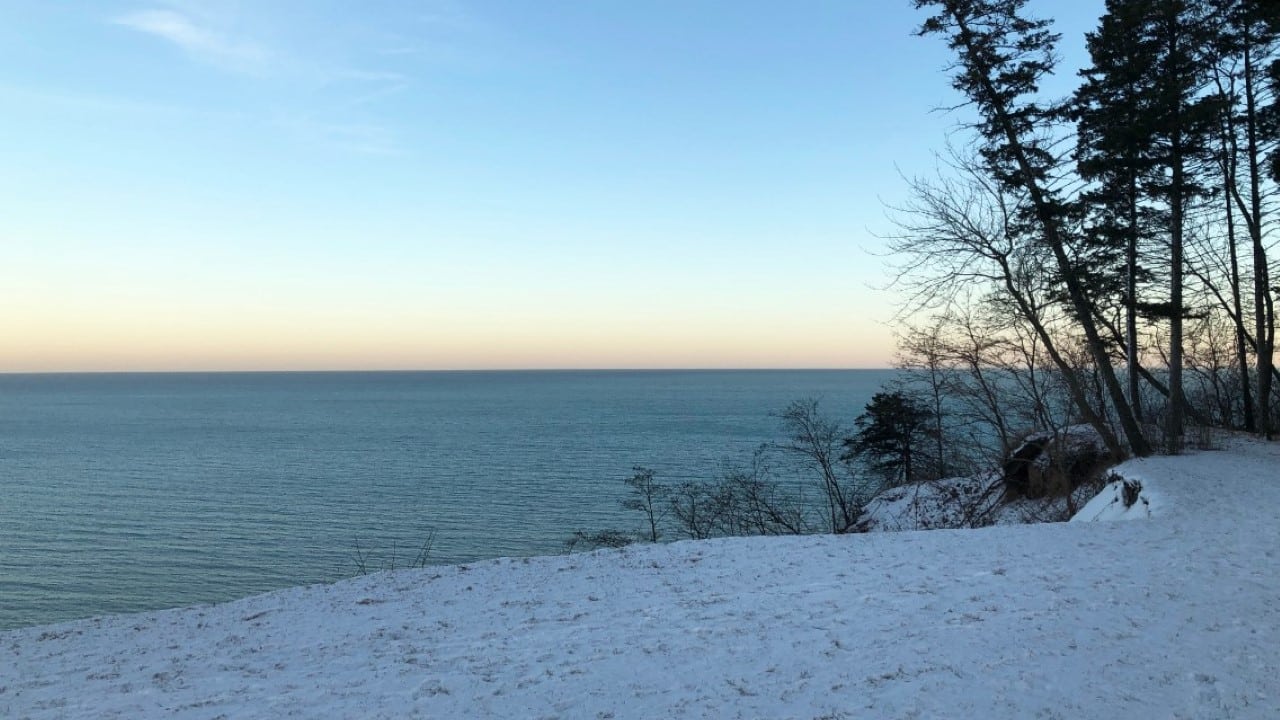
[973, 501]
[1070, 440]
[1174, 615]
[961, 502]
[1110, 503]
[947, 503]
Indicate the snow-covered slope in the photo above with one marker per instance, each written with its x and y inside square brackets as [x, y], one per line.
[1172, 616]
[947, 503]
[1037, 473]
[960, 502]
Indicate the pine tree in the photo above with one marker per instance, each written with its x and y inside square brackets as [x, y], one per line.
[889, 434]
[1182, 121]
[1115, 154]
[1143, 126]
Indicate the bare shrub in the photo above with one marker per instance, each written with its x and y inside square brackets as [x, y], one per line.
[818, 442]
[647, 497]
[367, 559]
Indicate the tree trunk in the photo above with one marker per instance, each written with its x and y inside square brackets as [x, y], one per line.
[1177, 203]
[1078, 395]
[1131, 298]
[1264, 310]
[1242, 347]
[1174, 430]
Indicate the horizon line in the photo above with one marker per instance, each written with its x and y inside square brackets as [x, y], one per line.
[314, 371]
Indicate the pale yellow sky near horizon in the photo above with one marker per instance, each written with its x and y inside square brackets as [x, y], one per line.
[104, 308]
[74, 338]
[123, 293]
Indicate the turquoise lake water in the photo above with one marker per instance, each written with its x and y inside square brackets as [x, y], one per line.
[130, 492]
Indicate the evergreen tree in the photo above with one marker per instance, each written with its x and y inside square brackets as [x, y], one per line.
[1266, 13]
[1182, 122]
[1144, 124]
[1115, 155]
[889, 435]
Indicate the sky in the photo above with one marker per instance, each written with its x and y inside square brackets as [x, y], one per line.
[461, 184]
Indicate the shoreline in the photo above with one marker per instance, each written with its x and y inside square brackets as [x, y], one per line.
[1152, 617]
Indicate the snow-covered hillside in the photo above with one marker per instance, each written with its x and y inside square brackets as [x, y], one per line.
[1173, 614]
[1038, 475]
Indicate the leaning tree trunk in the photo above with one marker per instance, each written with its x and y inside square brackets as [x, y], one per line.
[1049, 223]
[1237, 305]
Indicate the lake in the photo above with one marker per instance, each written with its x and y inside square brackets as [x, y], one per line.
[131, 492]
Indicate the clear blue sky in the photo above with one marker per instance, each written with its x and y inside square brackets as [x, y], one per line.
[274, 184]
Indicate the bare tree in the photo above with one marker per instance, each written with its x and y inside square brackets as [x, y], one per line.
[694, 508]
[818, 441]
[648, 498]
[961, 232]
